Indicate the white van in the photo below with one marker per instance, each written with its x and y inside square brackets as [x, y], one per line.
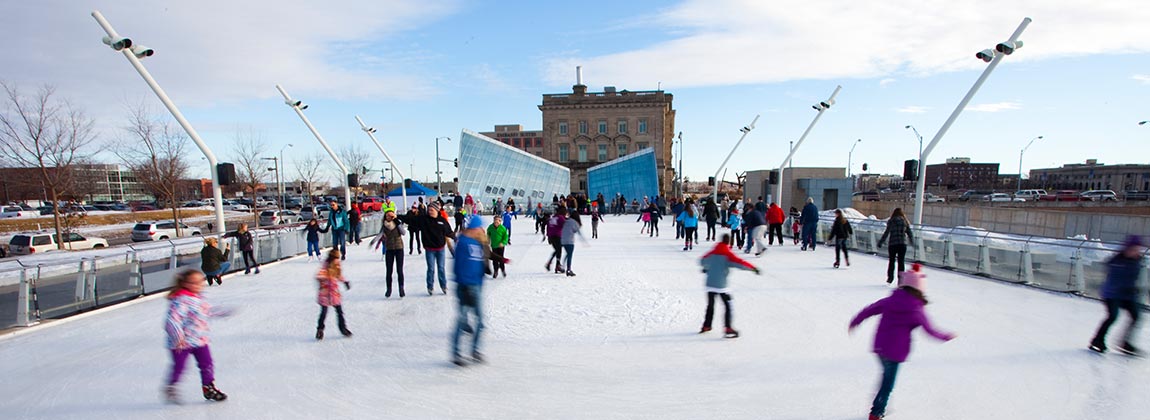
[1029, 195]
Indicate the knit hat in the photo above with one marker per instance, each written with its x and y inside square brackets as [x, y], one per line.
[912, 279]
[1133, 240]
[474, 222]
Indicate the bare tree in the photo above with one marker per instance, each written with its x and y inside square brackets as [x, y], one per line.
[250, 169]
[308, 170]
[357, 161]
[45, 133]
[153, 150]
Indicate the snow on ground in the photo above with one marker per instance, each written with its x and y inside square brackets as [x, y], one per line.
[616, 342]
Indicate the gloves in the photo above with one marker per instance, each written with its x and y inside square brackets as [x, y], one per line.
[347, 285]
[880, 244]
[758, 272]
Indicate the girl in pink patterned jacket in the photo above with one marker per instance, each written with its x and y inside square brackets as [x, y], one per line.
[187, 330]
[329, 277]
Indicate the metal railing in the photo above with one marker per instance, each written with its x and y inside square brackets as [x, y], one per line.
[76, 282]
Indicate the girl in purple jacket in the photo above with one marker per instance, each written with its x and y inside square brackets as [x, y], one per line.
[901, 312]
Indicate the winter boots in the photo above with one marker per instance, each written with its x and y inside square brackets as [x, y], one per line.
[171, 396]
[1130, 350]
[731, 333]
[211, 393]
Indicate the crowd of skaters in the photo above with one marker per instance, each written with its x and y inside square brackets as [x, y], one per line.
[479, 251]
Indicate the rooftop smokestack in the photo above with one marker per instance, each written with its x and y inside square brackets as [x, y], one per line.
[579, 75]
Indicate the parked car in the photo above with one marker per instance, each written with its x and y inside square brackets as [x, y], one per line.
[1000, 198]
[929, 198]
[370, 204]
[194, 203]
[236, 206]
[17, 212]
[1136, 195]
[161, 231]
[314, 212]
[1099, 195]
[974, 195]
[1029, 195]
[294, 204]
[278, 217]
[30, 243]
[1062, 195]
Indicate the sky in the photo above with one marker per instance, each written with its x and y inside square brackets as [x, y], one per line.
[417, 70]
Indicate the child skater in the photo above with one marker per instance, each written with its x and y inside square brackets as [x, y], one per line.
[796, 227]
[690, 221]
[595, 219]
[187, 329]
[499, 237]
[841, 231]
[717, 264]
[901, 312]
[313, 231]
[329, 277]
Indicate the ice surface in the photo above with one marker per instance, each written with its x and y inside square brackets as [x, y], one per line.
[616, 342]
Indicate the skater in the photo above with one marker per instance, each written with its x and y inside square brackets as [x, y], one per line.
[654, 215]
[645, 216]
[571, 228]
[507, 221]
[690, 221]
[677, 209]
[735, 222]
[415, 242]
[1122, 291]
[499, 237]
[595, 219]
[717, 264]
[468, 269]
[751, 219]
[901, 313]
[775, 219]
[554, 238]
[353, 218]
[313, 231]
[711, 216]
[213, 262]
[247, 247]
[329, 278]
[796, 225]
[391, 236]
[810, 221]
[435, 232]
[841, 230]
[899, 232]
[187, 330]
[337, 223]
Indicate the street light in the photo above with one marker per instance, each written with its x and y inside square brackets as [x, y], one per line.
[371, 134]
[849, 156]
[276, 168]
[679, 191]
[134, 53]
[298, 107]
[821, 107]
[991, 56]
[438, 178]
[1020, 161]
[283, 179]
[746, 130]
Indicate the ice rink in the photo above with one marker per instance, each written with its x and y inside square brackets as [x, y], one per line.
[618, 341]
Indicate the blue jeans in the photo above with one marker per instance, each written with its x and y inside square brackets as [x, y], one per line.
[355, 234]
[570, 248]
[809, 230]
[469, 298]
[435, 259]
[339, 241]
[313, 246]
[889, 372]
[224, 266]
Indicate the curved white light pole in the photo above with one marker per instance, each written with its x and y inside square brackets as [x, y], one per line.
[298, 107]
[1020, 161]
[821, 107]
[746, 130]
[1006, 48]
[438, 178]
[850, 155]
[402, 184]
[125, 46]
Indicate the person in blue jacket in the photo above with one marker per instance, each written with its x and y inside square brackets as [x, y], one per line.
[1121, 291]
[507, 214]
[810, 222]
[339, 225]
[735, 222]
[690, 221]
[470, 259]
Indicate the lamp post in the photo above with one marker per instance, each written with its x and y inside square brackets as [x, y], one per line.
[1020, 161]
[821, 107]
[849, 156]
[746, 130]
[275, 167]
[403, 184]
[283, 179]
[298, 107]
[134, 53]
[993, 57]
[679, 192]
[438, 178]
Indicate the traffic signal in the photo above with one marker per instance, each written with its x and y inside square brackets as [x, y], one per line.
[353, 180]
[227, 173]
[710, 181]
[910, 170]
[407, 183]
[773, 178]
[864, 167]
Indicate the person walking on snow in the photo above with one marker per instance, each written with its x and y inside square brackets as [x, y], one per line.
[391, 236]
[690, 221]
[186, 327]
[500, 238]
[330, 275]
[717, 265]
[901, 313]
[468, 270]
[841, 231]
[1122, 291]
[810, 218]
[899, 232]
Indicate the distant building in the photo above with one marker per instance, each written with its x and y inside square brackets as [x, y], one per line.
[830, 187]
[513, 135]
[582, 129]
[959, 173]
[878, 182]
[1093, 176]
[91, 182]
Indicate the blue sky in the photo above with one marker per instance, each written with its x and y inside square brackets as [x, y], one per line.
[417, 70]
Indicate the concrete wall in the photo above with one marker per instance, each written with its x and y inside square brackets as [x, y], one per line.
[1019, 220]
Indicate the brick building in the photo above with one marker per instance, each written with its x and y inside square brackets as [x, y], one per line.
[1093, 176]
[960, 173]
[513, 135]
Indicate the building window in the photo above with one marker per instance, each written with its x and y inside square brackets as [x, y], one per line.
[515, 142]
[642, 126]
[583, 127]
[582, 152]
[563, 153]
[563, 129]
[539, 142]
[622, 126]
[642, 146]
[602, 152]
[602, 126]
[622, 149]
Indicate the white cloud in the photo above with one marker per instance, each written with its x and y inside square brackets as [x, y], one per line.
[1144, 78]
[729, 42]
[995, 107]
[913, 109]
[886, 81]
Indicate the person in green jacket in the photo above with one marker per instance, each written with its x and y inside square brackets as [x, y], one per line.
[499, 240]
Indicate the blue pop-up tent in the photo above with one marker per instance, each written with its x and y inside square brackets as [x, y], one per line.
[416, 190]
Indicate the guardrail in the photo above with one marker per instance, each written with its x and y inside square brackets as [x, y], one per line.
[80, 281]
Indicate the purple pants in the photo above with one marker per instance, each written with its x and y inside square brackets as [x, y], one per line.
[203, 357]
